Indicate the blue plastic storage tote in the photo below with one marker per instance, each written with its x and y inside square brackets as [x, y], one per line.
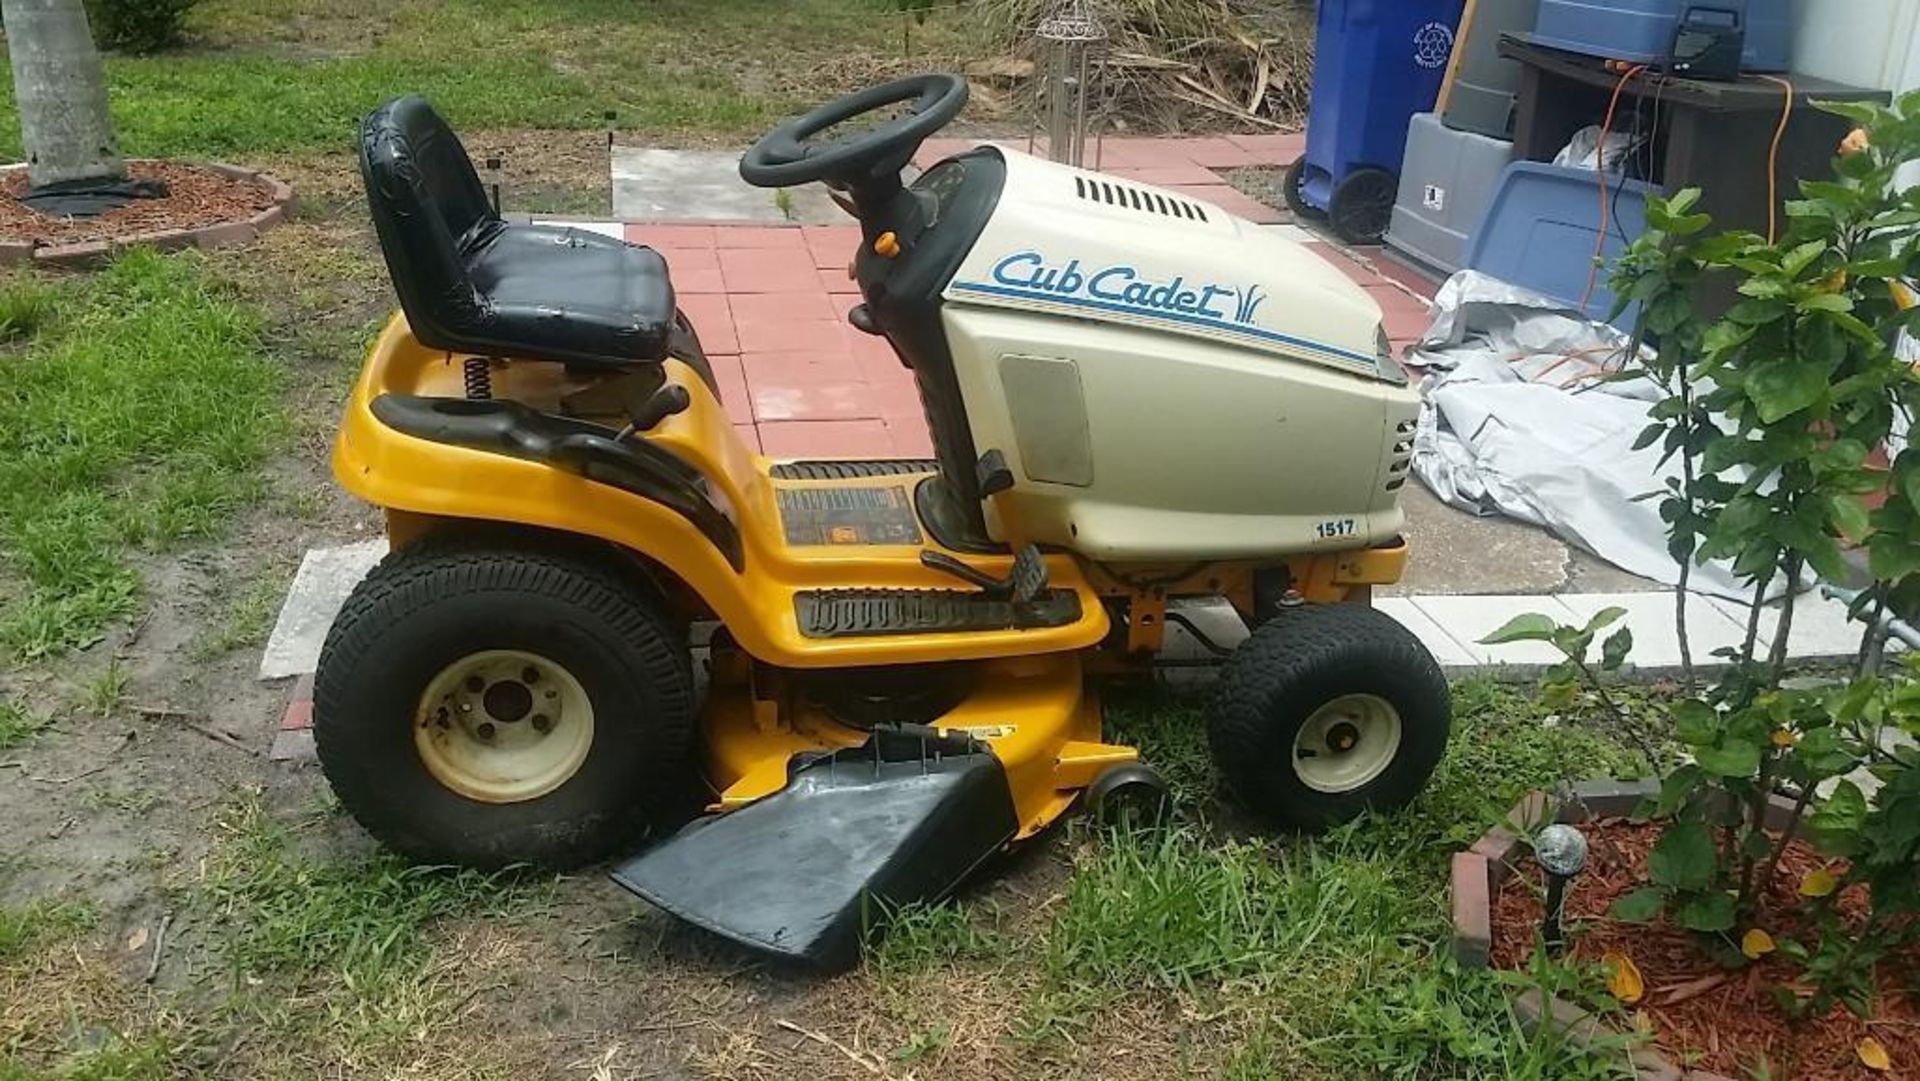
[1642, 30]
[1376, 63]
[1541, 228]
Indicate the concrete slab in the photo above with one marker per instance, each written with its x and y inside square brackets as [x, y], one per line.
[1446, 649]
[704, 185]
[1821, 628]
[1455, 552]
[1656, 636]
[1470, 618]
[320, 587]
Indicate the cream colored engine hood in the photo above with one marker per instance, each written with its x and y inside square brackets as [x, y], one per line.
[1072, 242]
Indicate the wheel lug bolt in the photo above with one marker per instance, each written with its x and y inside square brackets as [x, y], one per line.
[553, 694]
[484, 730]
[529, 674]
[466, 707]
[541, 723]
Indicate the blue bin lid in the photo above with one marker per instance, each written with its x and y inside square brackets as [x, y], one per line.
[1539, 229]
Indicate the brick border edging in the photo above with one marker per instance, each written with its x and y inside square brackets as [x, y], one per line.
[89, 253]
[1478, 873]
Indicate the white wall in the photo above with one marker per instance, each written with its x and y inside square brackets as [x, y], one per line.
[1861, 42]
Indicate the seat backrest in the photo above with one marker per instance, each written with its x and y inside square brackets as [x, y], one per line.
[426, 199]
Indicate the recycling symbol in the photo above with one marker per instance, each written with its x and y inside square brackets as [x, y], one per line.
[1432, 45]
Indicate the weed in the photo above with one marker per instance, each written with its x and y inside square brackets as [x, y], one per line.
[927, 1042]
[26, 305]
[355, 934]
[127, 801]
[246, 616]
[105, 693]
[18, 725]
[925, 936]
[42, 923]
[138, 419]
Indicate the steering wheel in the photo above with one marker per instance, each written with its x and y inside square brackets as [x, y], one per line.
[788, 154]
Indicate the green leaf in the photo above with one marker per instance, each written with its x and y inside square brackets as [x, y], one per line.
[1705, 911]
[1731, 758]
[1783, 386]
[1891, 558]
[1849, 515]
[1826, 302]
[1613, 651]
[1843, 811]
[1683, 858]
[1604, 618]
[1648, 436]
[1802, 257]
[1640, 906]
[1526, 627]
[1695, 723]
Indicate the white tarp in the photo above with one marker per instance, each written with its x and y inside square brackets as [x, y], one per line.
[1516, 420]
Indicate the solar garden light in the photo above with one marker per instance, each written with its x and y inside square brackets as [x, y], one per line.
[1562, 852]
[1070, 37]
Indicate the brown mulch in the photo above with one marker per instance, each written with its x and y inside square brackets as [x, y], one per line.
[196, 197]
[1703, 1014]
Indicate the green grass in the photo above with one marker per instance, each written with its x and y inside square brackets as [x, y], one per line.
[137, 417]
[42, 923]
[353, 936]
[296, 75]
[245, 616]
[19, 725]
[1329, 954]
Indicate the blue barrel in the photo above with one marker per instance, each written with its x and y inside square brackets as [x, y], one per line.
[1376, 64]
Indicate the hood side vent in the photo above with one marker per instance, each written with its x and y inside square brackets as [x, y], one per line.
[1126, 197]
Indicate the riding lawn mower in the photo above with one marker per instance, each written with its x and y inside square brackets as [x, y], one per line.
[1136, 400]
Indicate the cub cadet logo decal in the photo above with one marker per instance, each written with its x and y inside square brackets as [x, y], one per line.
[1223, 309]
[1123, 286]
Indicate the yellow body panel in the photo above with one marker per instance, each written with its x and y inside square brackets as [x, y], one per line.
[421, 477]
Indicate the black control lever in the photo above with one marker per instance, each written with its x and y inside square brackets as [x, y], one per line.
[1022, 585]
[668, 401]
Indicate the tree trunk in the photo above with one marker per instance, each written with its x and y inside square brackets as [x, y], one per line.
[61, 93]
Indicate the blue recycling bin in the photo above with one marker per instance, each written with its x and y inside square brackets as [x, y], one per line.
[1376, 63]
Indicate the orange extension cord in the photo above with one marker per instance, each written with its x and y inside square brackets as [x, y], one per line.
[1600, 172]
[1773, 158]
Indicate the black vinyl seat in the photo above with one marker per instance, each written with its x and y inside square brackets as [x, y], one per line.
[473, 283]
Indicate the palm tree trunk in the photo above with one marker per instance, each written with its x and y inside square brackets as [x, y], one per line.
[61, 93]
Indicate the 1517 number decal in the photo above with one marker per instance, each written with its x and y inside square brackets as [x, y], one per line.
[1336, 528]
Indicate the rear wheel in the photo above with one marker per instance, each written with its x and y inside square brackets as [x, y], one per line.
[497, 705]
[1362, 205]
[1327, 711]
[1293, 186]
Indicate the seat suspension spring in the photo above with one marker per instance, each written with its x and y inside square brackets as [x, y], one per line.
[479, 379]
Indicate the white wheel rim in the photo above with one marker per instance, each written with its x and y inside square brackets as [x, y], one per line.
[1346, 743]
[503, 726]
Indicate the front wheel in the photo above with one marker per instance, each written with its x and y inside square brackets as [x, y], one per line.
[1327, 711]
[485, 706]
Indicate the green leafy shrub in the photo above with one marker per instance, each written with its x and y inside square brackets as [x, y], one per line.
[137, 26]
[1772, 411]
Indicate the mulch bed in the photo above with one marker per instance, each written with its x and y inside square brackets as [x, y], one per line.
[197, 197]
[1704, 1015]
